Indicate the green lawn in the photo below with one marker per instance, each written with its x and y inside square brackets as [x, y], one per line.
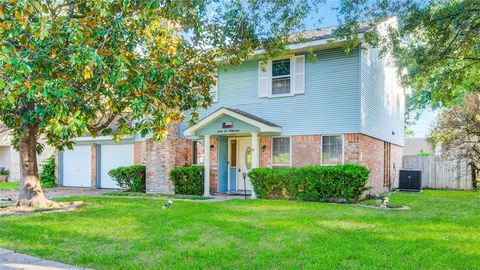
[16, 185]
[442, 231]
[9, 185]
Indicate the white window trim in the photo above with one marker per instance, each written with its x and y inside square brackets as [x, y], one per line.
[196, 156]
[290, 152]
[270, 76]
[321, 149]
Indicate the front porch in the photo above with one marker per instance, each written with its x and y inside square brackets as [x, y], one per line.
[237, 148]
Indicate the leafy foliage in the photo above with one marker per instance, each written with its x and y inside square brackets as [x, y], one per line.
[131, 178]
[435, 44]
[457, 130]
[423, 153]
[188, 180]
[4, 171]
[311, 183]
[70, 68]
[47, 172]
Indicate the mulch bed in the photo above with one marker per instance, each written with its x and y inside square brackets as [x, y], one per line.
[12, 210]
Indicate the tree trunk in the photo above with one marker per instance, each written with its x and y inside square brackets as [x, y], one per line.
[31, 194]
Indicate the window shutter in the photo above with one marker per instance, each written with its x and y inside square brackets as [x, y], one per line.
[263, 81]
[299, 74]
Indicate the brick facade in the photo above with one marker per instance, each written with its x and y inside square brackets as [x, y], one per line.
[265, 151]
[94, 165]
[213, 165]
[305, 150]
[160, 158]
[371, 153]
[139, 152]
[163, 156]
[396, 163]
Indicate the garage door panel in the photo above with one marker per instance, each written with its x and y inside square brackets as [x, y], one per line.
[77, 166]
[112, 157]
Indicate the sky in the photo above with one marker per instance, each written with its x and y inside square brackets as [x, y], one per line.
[421, 126]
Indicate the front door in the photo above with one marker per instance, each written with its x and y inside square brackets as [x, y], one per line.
[244, 163]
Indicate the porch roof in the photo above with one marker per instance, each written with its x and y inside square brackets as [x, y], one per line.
[231, 121]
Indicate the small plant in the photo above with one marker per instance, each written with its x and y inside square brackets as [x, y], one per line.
[47, 173]
[131, 178]
[423, 153]
[4, 171]
[187, 180]
[4, 174]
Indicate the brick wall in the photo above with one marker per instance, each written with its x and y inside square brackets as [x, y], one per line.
[94, 165]
[139, 152]
[396, 163]
[163, 156]
[184, 154]
[266, 152]
[213, 165]
[370, 152]
[305, 150]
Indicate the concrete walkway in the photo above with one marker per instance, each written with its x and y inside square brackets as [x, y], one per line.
[10, 260]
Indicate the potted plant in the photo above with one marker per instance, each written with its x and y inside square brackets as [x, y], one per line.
[4, 175]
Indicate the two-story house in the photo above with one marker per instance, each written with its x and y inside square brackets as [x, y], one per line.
[316, 105]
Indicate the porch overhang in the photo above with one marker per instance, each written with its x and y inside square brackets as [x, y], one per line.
[228, 121]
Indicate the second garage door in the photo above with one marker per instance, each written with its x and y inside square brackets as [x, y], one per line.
[112, 157]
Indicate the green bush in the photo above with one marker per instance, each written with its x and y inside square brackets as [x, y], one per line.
[311, 183]
[131, 178]
[187, 180]
[47, 173]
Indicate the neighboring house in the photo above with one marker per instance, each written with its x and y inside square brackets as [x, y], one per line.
[340, 108]
[10, 158]
[413, 146]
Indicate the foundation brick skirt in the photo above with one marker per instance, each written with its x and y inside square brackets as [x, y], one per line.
[361, 149]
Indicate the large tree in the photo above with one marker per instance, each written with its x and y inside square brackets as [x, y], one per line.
[71, 67]
[436, 44]
[458, 131]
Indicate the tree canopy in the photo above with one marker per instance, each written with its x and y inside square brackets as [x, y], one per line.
[436, 44]
[72, 67]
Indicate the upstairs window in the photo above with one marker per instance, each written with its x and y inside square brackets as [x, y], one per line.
[281, 77]
[332, 150]
[280, 152]
[198, 153]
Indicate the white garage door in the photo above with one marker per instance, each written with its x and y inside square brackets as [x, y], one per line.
[77, 166]
[112, 157]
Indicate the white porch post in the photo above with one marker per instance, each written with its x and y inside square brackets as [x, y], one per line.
[255, 157]
[206, 164]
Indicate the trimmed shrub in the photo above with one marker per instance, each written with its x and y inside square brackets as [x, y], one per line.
[187, 180]
[131, 178]
[311, 183]
[47, 173]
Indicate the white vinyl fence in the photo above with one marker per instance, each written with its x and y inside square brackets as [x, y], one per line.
[441, 173]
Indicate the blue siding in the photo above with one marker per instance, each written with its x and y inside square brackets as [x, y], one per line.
[331, 103]
[382, 99]
[215, 127]
[222, 164]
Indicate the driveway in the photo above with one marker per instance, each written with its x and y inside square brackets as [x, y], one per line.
[58, 192]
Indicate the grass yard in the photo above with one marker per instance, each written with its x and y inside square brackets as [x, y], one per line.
[9, 186]
[442, 231]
